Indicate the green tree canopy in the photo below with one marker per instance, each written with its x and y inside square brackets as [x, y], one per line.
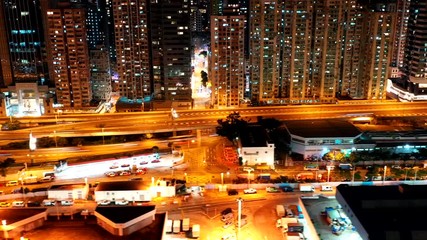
[232, 126]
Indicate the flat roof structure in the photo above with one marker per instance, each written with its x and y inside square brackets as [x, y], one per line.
[321, 128]
[121, 186]
[17, 220]
[254, 136]
[67, 186]
[386, 212]
[123, 214]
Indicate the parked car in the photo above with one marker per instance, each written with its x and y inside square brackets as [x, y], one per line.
[114, 167]
[228, 224]
[18, 204]
[121, 202]
[396, 167]
[11, 183]
[4, 204]
[143, 163]
[110, 174]
[67, 202]
[287, 189]
[141, 171]
[125, 165]
[249, 191]
[155, 161]
[226, 211]
[49, 202]
[232, 192]
[272, 189]
[125, 173]
[104, 202]
[33, 204]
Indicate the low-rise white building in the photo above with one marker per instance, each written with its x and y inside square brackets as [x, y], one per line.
[132, 191]
[318, 137]
[68, 191]
[255, 149]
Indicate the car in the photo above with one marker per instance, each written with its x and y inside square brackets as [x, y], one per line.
[67, 202]
[248, 169]
[249, 191]
[226, 211]
[287, 189]
[110, 174]
[272, 189]
[125, 165]
[155, 161]
[49, 202]
[396, 167]
[229, 236]
[232, 192]
[104, 202]
[121, 202]
[4, 204]
[33, 204]
[125, 173]
[11, 183]
[18, 204]
[114, 167]
[143, 163]
[141, 171]
[228, 224]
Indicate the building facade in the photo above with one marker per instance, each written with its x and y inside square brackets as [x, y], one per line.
[227, 61]
[68, 56]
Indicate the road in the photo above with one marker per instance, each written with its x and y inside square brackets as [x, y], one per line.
[152, 122]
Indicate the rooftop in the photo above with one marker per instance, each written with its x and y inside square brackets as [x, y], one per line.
[123, 214]
[18, 214]
[67, 186]
[383, 211]
[254, 136]
[321, 128]
[121, 186]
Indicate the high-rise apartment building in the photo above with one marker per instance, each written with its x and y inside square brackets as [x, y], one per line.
[265, 48]
[399, 41]
[100, 74]
[377, 49]
[170, 37]
[132, 48]
[22, 43]
[68, 55]
[227, 68]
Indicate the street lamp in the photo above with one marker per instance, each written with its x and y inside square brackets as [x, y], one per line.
[222, 178]
[329, 171]
[186, 177]
[416, 170]
[54, 136]
[385, 172]
[249, 174]
[4, 226]
[103, 141]
[239, 215]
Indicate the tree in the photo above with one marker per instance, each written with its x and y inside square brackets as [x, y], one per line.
[5, 164]
[155, 149]
[232, 126]
[204, 78]
[269, 123]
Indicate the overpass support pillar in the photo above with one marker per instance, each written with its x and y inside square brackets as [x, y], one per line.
[199, 137]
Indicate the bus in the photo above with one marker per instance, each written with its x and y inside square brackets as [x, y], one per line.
[311, 167]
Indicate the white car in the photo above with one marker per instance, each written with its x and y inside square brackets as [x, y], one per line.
[104, 202]
[18, 204]
[249, 191]
[49, 202]
[122, 202]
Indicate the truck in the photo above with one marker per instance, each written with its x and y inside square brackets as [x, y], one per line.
[296, 227]
[185, 224]
[306, 188]
[280, 210]
[195, 231]
[326, 188]
[284, 223]
[297, 210]
[168, 227]
[176, 226]
[294, 236]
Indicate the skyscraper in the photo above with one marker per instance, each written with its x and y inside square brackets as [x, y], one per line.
[227, 68]
[132, 48]
[265, 48]
[22, 42]
[68, 56]
[169, 26]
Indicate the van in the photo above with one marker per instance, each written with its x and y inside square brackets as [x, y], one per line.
[12, 183]
[326, 188]
[49, 202]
